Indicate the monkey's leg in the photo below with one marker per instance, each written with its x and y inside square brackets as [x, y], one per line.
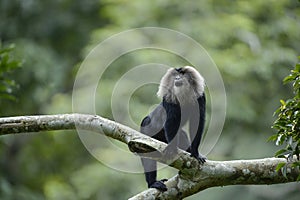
[150, 167]
[183, 141]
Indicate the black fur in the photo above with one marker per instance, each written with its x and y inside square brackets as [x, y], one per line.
[165, 124]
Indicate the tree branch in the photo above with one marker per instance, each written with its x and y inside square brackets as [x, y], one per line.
[137, 142]
[222, 173]
[192, 176]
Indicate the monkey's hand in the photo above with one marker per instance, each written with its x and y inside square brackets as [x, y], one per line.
[160, 185]
[199, 157]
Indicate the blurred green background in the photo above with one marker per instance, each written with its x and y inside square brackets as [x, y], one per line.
[254, 43]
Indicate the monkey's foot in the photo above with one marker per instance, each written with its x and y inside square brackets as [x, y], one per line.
[200, 158]
[160, 185]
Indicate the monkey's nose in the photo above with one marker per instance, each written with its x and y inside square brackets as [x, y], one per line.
[178, 81]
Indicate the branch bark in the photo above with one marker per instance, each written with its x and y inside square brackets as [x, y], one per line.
[192, 176]
[223, 173]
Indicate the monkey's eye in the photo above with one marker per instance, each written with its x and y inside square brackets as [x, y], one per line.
[177, 77]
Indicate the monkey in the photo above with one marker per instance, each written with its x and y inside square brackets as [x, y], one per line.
[183, 100]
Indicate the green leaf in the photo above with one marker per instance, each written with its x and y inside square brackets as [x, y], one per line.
[280, 152]
[273, 138]
[282, 102]
[279, 166]
[289, 78]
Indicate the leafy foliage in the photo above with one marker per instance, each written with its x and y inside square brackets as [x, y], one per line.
[7, 65]
[288, 124]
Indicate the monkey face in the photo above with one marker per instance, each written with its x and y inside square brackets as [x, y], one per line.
[181, 83]
[181, 78]
[178, 81]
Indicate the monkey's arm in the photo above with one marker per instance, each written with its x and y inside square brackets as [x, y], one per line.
[200, 127]
[171, 127]
[172, 123]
